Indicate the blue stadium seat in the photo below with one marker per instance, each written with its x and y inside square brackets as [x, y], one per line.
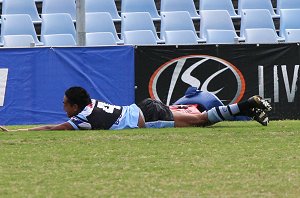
[176, 20]
[221, 37]
[287, 4]
[59, 40]
[103, 6]
[21, 7]
[257, 18]
[289, 19]
[18, 24]
[59, 23]
[100, 38]
[180, 37]
[218, 5]
[256, 4]
[292, 35]
[260, 35]
[17, 40]
[101, 22]
[216, 20]
[139, 37]
[59, 6]
[140, 6]
[138, 21]
[179, 5]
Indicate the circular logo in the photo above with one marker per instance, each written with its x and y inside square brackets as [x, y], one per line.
[207, 73]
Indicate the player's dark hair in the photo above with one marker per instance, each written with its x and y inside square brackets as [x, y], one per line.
[79, 96]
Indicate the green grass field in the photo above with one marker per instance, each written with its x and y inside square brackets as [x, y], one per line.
[230, 159]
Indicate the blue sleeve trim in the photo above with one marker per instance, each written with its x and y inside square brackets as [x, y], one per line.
[73, 125]
[81, 117]
[160, 124]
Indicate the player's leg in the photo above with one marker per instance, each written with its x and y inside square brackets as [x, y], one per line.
[254, 107]
[161, 116]
[182, 119]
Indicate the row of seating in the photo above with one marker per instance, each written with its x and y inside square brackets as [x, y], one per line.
[29, 7]
[34, 0]
[69, 6]
[216, 26]
[189, 6]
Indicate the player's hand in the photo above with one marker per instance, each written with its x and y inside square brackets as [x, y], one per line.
[2, 128]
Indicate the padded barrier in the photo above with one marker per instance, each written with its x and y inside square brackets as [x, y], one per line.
[205, 100]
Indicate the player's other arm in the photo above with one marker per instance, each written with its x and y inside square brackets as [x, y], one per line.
[59, 127]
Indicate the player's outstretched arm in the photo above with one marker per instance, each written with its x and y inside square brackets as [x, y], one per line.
[59, 127]
[2, 128]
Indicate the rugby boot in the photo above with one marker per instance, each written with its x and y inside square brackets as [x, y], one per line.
[260, 116]
[257, 102]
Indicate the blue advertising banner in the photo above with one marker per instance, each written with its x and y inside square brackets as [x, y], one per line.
[33, 80]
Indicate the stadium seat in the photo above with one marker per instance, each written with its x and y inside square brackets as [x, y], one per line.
[59, 23]
[139, 37]
[138, 21]
[17, 40]
[218, 5]
[60, 6]
[101, 22]
[216, 20]
[179, 5]
[180, 37]
[260, 35]
[292, 35]
[289, 19]
[253, 19]
[287, 4]
[100, 38]
[18, 24]
[21, 7]
[221, 37]
[140, 6]
[59, 40]
[103, 6]
[177, 20]
[256, 4]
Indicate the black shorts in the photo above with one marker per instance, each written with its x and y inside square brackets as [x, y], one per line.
[154, 110]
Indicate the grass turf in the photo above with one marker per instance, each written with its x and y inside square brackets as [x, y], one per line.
[230, 159]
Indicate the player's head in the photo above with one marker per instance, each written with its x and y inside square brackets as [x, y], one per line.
[75, 100]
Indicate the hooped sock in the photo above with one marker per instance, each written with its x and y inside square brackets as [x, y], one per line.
[221, 113]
